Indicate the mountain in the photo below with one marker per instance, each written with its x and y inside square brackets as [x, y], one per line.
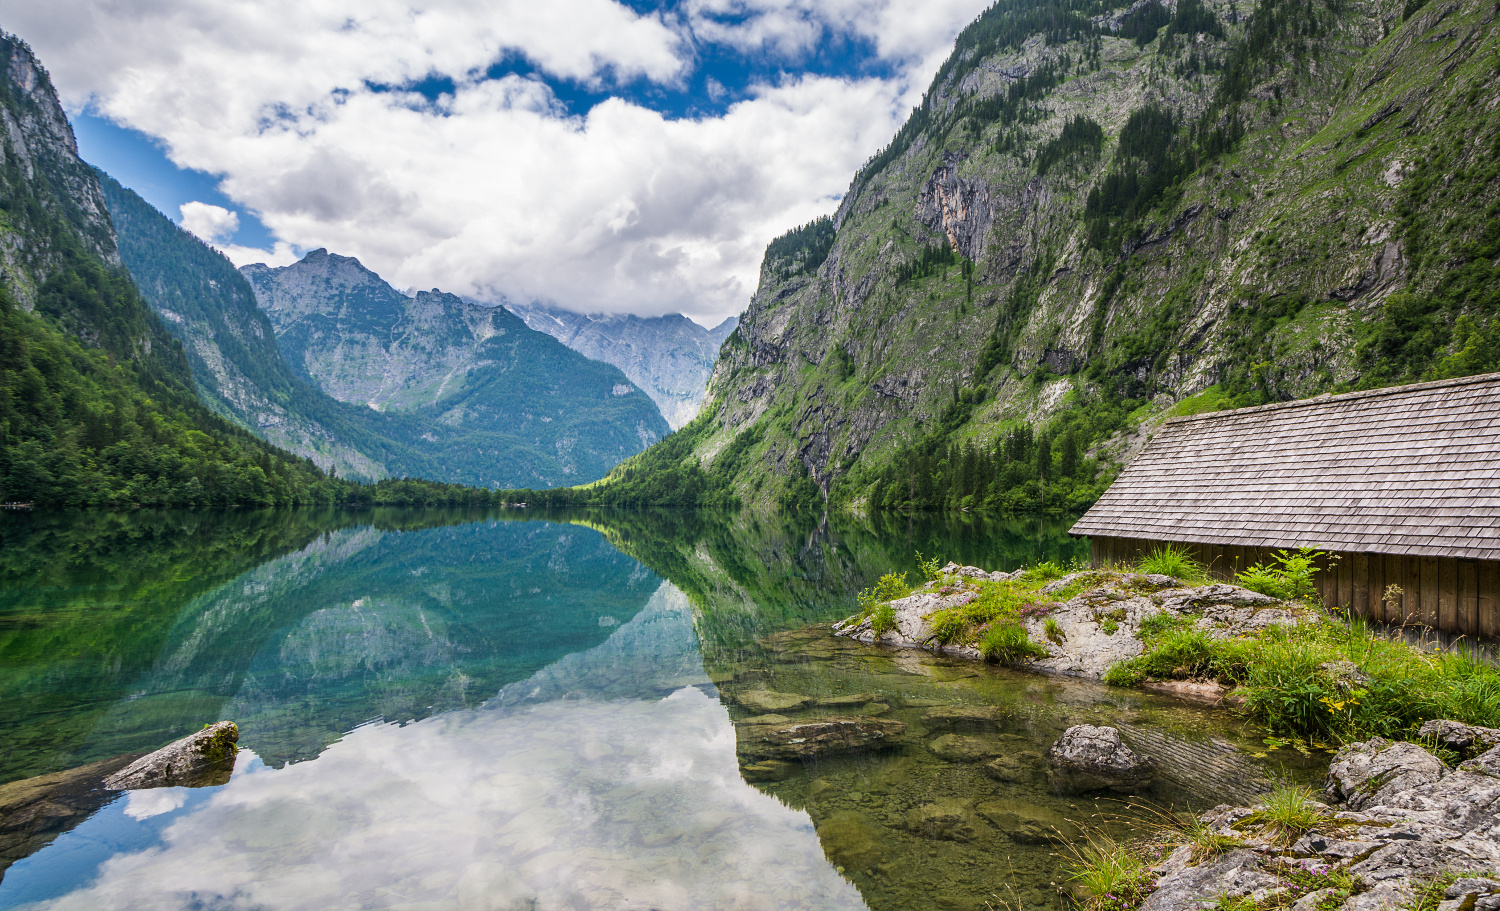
[1102, 215]
[509, 406]
[97, 401]
[231, 348]
[669, 357]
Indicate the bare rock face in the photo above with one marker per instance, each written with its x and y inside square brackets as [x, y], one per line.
[1089, 758]
[1456, 735]
[824, 737]
[1366, 774]
[204, 758]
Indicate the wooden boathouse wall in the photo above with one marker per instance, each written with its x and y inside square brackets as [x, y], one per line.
[1444, 593]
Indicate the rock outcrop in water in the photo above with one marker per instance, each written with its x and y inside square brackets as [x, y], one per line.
[1094, 629]
[1403, 820]
[1090, 758]
[204, 758]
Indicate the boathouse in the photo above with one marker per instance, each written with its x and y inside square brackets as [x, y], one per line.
[1402, 485]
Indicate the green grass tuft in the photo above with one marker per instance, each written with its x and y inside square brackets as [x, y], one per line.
[1174, 561]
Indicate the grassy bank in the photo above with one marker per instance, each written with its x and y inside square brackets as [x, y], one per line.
[1323, 680]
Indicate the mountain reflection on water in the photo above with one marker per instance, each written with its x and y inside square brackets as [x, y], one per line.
[441, 709]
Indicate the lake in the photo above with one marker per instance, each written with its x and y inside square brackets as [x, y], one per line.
[507, 710]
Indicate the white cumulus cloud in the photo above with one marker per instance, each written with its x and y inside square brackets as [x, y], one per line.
[212, 224]
[496, 189]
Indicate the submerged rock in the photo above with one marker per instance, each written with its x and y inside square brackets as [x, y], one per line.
[823, 737]
[33, 811]
[1089, 758]
[964, 718]
[949, 819]
[963, 748]
[768, 701]
[198, 760]
[1027, 823]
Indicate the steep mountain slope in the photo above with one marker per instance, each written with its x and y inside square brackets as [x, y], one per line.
[97, 405]
[513, 407]
[669, 357]
[1099, 215]
[232, 349]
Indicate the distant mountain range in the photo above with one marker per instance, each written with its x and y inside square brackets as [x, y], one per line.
[670, 357]
[328, 361]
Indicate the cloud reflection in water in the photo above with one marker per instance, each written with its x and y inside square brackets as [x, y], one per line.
[568, 790]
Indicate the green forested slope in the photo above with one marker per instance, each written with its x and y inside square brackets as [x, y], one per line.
[1099, 217]
[97, 401]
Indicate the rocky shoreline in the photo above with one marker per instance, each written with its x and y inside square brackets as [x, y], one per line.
[1401, 829]
[1091, 629]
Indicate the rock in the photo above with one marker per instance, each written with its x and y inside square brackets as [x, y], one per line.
[198, 760]
[1008, 768]
[766, 701]
[765, 719]
[1089, 758]
[1471, 886]
[1230, 876]
[873, 709]
[847, 701]
[1203, 692]
[964, 718]
[974, 572]
[1366, 774]
[768, 770]
[1456, 735]
[1028, 824]
[849, 840]
[824, 737]
[34, 811]
[962, 748]
[949, 819]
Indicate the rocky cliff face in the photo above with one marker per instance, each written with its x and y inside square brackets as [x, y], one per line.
[40, 151]
[231, 347]
[1243, 204]
[534, 413]
[669, 357]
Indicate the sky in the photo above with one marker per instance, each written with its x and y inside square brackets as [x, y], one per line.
[597, 155]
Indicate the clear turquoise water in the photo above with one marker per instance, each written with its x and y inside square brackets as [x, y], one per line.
[450, 710]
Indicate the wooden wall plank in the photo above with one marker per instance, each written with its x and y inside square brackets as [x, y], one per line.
[1432, 583]
[1468, 597]
[1376, 582]
[1447, 593]
[1346, 581]
[1489, 610]
[1359, 571]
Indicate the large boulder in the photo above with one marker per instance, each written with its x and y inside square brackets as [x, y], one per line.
[204, 758]
[1373, 771]
[823, 737]
[1089, 758]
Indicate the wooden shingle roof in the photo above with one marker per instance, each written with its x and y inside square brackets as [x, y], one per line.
[1406, 470]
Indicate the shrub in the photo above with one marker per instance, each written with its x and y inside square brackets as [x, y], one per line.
[1113, 875]
[1173, 561]
[890, 587]
[1289, 579]
[1054, 632]
[1008, 642]
[1286, 814]
[1045, 571]
[932, 569]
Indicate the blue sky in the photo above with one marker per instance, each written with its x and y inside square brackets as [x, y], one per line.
[628, 157]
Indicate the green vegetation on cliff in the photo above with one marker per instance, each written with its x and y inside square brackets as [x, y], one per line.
[1098, 218]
